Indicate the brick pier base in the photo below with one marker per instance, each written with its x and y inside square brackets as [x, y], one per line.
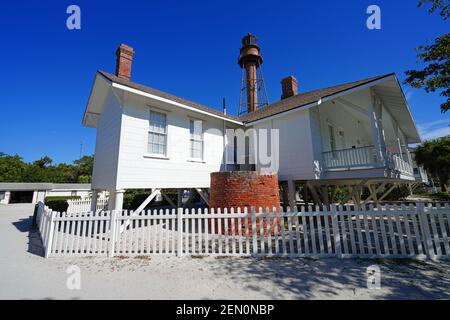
[244, 189]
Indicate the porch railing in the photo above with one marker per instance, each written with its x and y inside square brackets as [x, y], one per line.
[395, 162]
[420, 174]
[363, 157]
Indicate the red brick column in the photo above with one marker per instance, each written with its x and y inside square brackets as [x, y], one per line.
[244, 189]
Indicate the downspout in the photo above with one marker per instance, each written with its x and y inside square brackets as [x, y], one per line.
[224, 153]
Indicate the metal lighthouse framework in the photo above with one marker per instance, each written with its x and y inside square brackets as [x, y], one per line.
[253, 94]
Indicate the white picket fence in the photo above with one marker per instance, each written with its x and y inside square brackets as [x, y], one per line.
[84, 205]
[380, 232]
[45, 224]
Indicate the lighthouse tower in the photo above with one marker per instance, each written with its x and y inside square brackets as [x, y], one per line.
[243, 187]
[253, 91]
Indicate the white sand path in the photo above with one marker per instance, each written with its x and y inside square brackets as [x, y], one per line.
[25, 274]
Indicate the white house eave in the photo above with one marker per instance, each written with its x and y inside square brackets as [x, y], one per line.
[95, 101]
[277, 115]
[328, 98]
[324, 99]
[168, 101]
[409, 112]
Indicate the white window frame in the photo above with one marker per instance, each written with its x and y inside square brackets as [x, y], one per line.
[192, 139]
[152, 154]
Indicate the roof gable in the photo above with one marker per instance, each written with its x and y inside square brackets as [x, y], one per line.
[305, 99]
[165, 95]
[298, 101]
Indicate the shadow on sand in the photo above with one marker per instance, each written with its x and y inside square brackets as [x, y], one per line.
[311, 278]
[34, 240]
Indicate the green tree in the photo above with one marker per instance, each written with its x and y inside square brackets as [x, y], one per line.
[12, 168]
[441, 5]
[43, 162]
[84, 167]
[434, 155]
[435, 76]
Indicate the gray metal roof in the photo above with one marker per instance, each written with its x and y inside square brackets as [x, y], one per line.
[165, 95]
[304, 99]
[28, 186]
[391, 94]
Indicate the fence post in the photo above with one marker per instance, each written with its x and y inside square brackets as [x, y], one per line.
[180, 232]
[35, 213]
[48, 246]
[255, 244]
[336, 235]
[112, 233]
[425, 229]
[41, 212]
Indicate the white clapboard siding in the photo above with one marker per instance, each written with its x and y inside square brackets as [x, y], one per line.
[369, 232]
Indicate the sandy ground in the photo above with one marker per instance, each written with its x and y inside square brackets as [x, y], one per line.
[25, 274]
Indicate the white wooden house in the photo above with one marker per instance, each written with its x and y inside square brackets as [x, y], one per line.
[354, 134]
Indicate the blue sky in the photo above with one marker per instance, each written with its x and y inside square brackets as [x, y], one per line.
[189, 48]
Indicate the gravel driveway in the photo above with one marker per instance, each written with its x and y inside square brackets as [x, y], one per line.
[25, 274]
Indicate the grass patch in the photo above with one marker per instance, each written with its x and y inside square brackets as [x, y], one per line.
[59, 198]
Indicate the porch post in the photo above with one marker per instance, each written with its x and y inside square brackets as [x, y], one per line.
[377, 132]
[94, 200]
[291, 194]
[305, 194]
[379, 115]
[111, 199]
[408, 154]
[284, 193]
[399, 144]
[180, 198]
[118, 199]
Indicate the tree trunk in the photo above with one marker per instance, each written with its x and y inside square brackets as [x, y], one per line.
[443, 181]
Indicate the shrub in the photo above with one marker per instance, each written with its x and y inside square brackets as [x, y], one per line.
[57, 205]
[52, 198]
[399, 193]
[340, 194]
[133, 198]
[440, 196]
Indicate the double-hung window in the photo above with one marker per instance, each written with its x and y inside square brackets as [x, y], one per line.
[157, 134]
[196, 139]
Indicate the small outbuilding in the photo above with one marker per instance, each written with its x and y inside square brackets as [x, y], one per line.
[18, 192]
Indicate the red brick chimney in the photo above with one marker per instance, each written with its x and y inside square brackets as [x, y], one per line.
[289, 87]
[124, 58]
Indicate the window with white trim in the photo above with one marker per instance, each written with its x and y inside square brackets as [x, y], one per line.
[157, 134]
[196, 139]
